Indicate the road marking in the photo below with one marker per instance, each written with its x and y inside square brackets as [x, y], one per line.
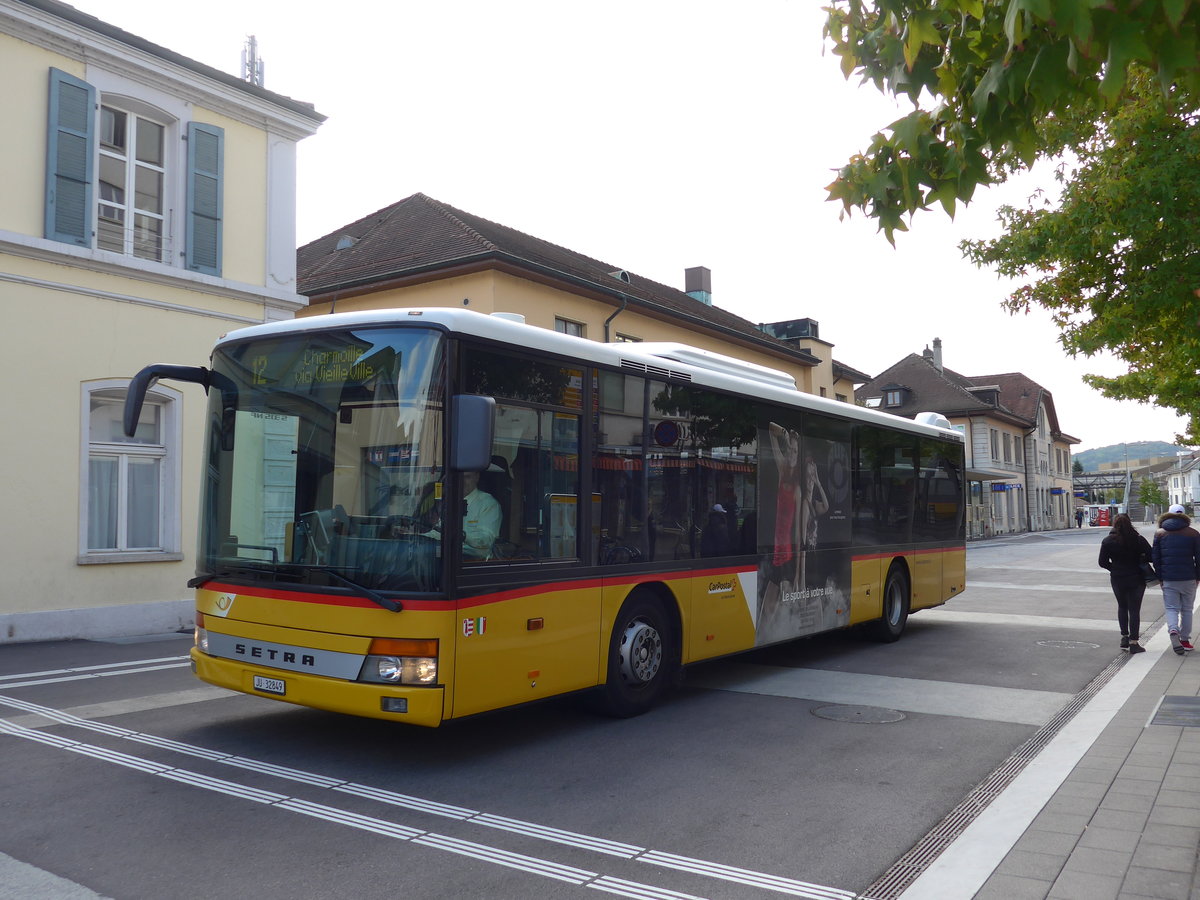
[85, 675]
[1094, 570]
[1058, 623]
[939, 698]
[147, 703]
[1054, 588]
[534, 865]
[19, 879]
[100, 668]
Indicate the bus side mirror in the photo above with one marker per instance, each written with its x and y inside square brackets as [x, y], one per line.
[135, 397]
[472, 426]
[146, 379]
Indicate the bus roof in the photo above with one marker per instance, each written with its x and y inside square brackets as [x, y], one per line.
[662, 359]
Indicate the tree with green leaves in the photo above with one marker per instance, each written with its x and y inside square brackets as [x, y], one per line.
[1151, 496]
[1117, 262]
[992, 75]
[1111, 87]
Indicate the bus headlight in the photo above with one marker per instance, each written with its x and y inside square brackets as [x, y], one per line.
[200, 637]
[401, 661]
[401, 669]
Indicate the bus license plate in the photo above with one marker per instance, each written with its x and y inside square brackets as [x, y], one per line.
[270, 685]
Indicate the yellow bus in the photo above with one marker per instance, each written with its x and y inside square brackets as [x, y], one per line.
[424, 514]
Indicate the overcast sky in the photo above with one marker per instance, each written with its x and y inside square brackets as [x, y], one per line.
[651, 134]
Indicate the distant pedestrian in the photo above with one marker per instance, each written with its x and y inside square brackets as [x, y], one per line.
[1122, 553]
[1079, 518]
[1176, 555]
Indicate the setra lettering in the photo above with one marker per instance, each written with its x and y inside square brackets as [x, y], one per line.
[285, 656]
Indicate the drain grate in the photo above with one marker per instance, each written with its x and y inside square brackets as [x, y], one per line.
[907, 868]
[1178, 710]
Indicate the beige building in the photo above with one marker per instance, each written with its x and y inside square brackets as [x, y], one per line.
[421, 252]
[149, 208]
[1018, 458]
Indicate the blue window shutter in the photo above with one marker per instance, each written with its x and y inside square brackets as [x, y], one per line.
[70, 159]
[206, 152]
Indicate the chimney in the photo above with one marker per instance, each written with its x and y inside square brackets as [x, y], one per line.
[937, 353]
[697, 283]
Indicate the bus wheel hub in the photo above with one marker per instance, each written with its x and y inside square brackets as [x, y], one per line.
[641, 653]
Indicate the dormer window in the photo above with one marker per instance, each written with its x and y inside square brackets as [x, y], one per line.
[893, 398]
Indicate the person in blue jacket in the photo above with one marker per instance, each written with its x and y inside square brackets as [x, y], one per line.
[1176, 555]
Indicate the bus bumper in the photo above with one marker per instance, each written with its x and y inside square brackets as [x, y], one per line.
[410, 705]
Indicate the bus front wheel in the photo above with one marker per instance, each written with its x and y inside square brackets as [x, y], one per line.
[895, 607]
[641, 654]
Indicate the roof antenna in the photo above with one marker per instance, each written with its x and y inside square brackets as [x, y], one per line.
[252, 64]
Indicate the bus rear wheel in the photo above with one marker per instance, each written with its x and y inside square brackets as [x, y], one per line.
[895, 607]
[641, 655]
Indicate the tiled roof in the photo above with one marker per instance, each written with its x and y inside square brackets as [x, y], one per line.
[948, 392]
[421, 235]
[930, 389]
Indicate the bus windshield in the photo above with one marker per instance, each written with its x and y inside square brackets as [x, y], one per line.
[325, 459]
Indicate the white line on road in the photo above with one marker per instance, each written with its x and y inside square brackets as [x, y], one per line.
[83, 676]
[1055, 588]
[100, 668]
[500, 857]
[1058, 623]
[939, 698]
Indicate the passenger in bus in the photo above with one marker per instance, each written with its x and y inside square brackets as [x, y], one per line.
[714, 538]
[481, 520]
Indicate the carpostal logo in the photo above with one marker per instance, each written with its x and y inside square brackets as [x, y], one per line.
[720, 587]
[474, 626]
[222, 603]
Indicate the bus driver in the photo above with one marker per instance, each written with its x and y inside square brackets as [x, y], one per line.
[481, 520]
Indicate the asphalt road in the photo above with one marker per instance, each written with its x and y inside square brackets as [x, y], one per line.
[802, 770]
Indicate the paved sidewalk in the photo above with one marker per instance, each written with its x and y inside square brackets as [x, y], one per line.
[1123, 815]
[1126, 822]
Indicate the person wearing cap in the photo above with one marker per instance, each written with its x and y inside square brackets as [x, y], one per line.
[1176, 553]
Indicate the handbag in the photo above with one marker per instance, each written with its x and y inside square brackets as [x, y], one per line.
[1148, 573]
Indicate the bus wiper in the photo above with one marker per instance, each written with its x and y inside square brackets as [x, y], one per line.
[228, 569]
[374, 596]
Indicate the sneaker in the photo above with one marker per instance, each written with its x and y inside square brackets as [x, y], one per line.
[1124, 642]
[1186, 644]
[1135, 647]
[1176, 643]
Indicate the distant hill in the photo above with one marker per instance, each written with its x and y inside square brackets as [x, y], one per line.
[1091, 459]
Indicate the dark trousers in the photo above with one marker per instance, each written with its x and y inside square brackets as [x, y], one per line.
[1128, 591]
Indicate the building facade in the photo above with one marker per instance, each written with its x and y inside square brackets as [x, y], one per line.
[422, 252]
[150, 208]
[1018, 458]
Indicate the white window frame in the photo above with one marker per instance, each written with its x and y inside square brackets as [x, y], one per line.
[170, 403]
[150, 102]
[135, 113]
[570, 326]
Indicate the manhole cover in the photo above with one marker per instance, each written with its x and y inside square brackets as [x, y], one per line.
[864, 715]
[1070, 645]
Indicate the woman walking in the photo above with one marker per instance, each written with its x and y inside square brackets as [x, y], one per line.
[1122, 553]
